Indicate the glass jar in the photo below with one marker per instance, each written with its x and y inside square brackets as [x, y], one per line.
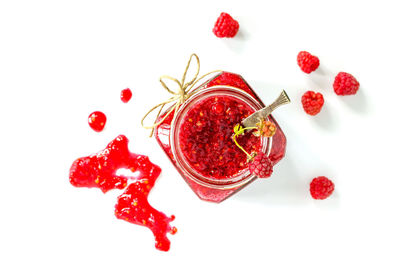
[198, 140]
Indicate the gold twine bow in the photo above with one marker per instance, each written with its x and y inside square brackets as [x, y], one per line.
[179, 96]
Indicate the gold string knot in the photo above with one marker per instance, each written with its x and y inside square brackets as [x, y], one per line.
[179, 97]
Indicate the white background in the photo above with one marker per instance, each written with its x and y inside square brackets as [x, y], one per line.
[61, 60]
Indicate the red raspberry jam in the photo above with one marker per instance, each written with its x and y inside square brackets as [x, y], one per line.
[126, 95]
[211, 178]
[206, 141]
[100, 170]
[97, 120]
[133, 207]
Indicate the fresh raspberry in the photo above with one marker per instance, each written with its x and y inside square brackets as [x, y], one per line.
[307, 62]
[345, 84]
[312, 102]
[225, 26]
[261, 165]
[321, 187]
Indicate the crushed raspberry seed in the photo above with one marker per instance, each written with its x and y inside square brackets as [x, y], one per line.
[307, 62]
[345, 84]
[312, 102]
[225, 26]
[261, 166]
[321, 187]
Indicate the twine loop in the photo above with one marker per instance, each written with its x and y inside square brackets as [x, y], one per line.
[179, 96]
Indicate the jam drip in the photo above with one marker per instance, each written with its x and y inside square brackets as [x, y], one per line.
[134, 207]
[99, 170]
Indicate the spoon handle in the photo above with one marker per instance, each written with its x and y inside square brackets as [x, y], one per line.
[254, 118]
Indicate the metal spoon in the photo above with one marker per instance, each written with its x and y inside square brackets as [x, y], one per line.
[254, 118]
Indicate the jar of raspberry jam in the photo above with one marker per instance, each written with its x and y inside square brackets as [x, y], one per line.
[199, 142]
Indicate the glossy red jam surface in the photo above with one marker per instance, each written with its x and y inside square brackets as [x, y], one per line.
[100, 170]
[134, 207]
[205, 137]
[126, 95]
[97, 120]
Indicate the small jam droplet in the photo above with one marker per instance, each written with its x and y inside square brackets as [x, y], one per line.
[126, 95]
[97, 121]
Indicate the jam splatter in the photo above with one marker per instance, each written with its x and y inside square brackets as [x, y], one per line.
[205, 137]
[97, 121]
[99, 170]
[133, 207]
[126, 95]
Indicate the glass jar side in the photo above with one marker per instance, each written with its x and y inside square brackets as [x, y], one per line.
[163, 137]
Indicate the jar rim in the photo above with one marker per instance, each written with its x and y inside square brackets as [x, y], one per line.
[244, 176]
